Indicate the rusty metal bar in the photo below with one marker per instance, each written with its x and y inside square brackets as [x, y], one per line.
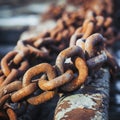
[88, 103]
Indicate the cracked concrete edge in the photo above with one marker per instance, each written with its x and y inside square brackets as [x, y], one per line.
[88, 103]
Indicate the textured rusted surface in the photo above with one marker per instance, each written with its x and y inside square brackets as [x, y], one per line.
[89, 103]
[11, 114]
[79, 114]
[92, 42]
[36, 70]
[78, 81]
[24, 92]
[69, 52]
[96, 61]
[68, 57]
[57, 82]
[14, 86]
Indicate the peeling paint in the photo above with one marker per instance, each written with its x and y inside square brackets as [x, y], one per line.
[85, 105]
[79, 114]
[98, 116]
[77, 101]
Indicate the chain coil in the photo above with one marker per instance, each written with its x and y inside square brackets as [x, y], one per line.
[59, 60]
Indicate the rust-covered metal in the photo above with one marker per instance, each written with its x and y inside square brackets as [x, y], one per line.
[69, 52]
[64, 59]
[78, 81]
[57, 82]
[11, 114]
[89, 103]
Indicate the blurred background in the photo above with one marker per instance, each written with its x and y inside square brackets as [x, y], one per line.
[18, 16]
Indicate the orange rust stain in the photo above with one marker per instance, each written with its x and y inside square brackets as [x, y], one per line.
[63, 106]
[79, 114]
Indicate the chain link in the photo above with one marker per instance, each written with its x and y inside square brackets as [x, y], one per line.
[58, 60]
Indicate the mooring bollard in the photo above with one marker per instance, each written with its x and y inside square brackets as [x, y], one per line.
[88, 103]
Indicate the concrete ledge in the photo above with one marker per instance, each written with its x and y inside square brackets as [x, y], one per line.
[88, 103]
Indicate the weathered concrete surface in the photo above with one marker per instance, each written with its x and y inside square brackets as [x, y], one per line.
[88, 103]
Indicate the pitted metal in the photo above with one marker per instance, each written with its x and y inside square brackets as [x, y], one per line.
[80, 37]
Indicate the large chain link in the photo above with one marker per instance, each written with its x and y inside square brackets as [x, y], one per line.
[58, 60]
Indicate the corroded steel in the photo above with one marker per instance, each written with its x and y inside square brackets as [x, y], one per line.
[59, 60]
[88, 103]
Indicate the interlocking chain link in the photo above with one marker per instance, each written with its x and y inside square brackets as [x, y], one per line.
[58, 60]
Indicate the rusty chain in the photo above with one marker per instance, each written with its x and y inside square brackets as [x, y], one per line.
[58, 60]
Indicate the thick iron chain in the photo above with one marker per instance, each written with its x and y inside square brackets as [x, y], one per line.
[57, 61]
